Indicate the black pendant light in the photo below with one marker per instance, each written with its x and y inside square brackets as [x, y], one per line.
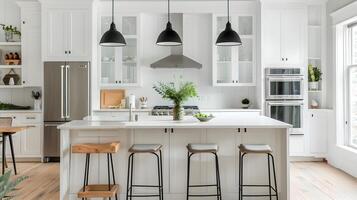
[112, 38]
[169, 37]
[228, 37]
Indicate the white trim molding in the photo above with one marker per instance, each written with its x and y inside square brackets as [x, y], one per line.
[344, 14]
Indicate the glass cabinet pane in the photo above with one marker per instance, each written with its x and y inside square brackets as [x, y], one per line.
[129, 25]
[245, 73]
[245, 26]
[221, 24]
[246, 50]
[224, 54]
[224, 72]
[129, 62]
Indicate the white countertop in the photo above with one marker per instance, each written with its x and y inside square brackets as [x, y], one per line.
[167, 122]
[20, 111]
[202, 110]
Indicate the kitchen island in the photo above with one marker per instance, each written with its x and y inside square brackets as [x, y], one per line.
[228, 133]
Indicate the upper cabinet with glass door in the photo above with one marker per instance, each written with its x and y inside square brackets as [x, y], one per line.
[234, 66]
[119, 66]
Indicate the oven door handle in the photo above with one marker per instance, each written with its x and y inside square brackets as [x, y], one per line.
[285, 78]
[285, 103]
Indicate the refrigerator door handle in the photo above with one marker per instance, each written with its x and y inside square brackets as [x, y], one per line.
[68, 91]
[62, 93]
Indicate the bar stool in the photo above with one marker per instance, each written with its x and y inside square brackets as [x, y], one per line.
[256, 149]
[203, 148]
[98, 190]
[151, 149]
[7, 122]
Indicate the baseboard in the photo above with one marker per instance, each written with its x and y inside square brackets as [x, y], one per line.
[306, 159]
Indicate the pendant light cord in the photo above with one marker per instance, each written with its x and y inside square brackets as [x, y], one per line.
[113, 11]
[168, 10]
[228, 10]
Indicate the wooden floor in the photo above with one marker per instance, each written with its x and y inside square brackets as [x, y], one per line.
[309, 181]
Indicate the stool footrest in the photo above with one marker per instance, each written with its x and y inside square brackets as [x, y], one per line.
[213, 185]
[98, 191]
[203, 195]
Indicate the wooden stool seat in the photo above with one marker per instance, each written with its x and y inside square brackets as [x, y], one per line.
[202, 148]
[98, 191]
[255, 148]
[112, 147]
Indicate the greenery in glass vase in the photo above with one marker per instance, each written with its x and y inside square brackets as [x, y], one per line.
[11, 29]
[7, 186]
[314, 74]
[177, 93]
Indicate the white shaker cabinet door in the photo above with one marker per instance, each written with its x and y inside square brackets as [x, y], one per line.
[78, 42]
[271, 38]
[145, 165]
[293, 24]
[178, 160]
[318, 131]
[55, 28]
[31, 142]
[227, 141]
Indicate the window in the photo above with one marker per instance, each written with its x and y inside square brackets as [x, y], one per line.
[351, 85]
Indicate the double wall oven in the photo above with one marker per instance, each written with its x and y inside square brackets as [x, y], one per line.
[285, 96]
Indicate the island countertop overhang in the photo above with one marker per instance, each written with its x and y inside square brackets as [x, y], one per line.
[167, 122]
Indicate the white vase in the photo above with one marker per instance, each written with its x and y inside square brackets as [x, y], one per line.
[314, 85]
[37, 104]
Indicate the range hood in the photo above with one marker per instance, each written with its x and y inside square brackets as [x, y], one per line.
[176, 59]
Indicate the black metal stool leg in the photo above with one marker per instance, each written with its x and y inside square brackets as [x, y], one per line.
[269, 177]
[131, 177]
[218, 179]
[242, 177]
[3, 152]
[85, 174]
[128, 178]
[161, 176]
[113, 174]
[12, 154]
[108, 165]
[158, 175]
[240, 172]
[188, 174]
[275, 184]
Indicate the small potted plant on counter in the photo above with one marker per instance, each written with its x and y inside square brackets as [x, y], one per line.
[178, 94]
[245, 103]
[314, 77]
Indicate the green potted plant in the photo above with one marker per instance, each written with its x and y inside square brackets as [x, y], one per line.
[245, 103]
[178, 94]
[315, 76]
[7, 186]
[10, 31]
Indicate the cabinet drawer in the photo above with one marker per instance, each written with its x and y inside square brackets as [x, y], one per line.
[24, 118]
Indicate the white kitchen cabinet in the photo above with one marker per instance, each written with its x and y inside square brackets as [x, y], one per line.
[120, 66]
[235, 66]
[284, 36]
[27, 143]
[318, 126]
[66, 33]
[31, 44]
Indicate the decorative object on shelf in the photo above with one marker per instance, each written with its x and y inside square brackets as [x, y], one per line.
[36, 95]
[143, 102]
[8, 106]
[112, 38]
[11, 77]
[169, 37]
[12, 58]
[314, 104]
[228, 37]
[131, 101]
[112, 98]
[315, 76]
[245, 103]
[7, 184]
[10, 31]
[203, 117]
[178, 95]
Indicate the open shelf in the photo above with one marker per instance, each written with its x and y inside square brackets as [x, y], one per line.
[315, 91]
[10, 86]
[10, 66]
[10, 43]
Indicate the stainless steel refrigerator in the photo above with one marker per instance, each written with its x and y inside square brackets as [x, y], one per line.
[66, 98]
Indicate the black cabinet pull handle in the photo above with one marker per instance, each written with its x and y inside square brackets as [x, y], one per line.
[69, 52]
[238, 130]
[65, 52]
[23, 22]
[165, 130]
[312, 115]
[245, 130]
[172, 130]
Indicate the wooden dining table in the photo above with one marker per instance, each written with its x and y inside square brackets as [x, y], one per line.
[8, 131]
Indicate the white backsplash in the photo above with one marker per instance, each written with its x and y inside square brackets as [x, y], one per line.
[18, 96]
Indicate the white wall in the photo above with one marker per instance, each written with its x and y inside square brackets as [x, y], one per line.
[339, 155]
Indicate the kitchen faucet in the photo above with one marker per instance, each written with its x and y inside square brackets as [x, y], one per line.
[130, 113]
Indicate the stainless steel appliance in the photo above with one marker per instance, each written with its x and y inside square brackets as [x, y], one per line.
[168, 110]
[290, 112]
[66, 98]
[284, 83]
